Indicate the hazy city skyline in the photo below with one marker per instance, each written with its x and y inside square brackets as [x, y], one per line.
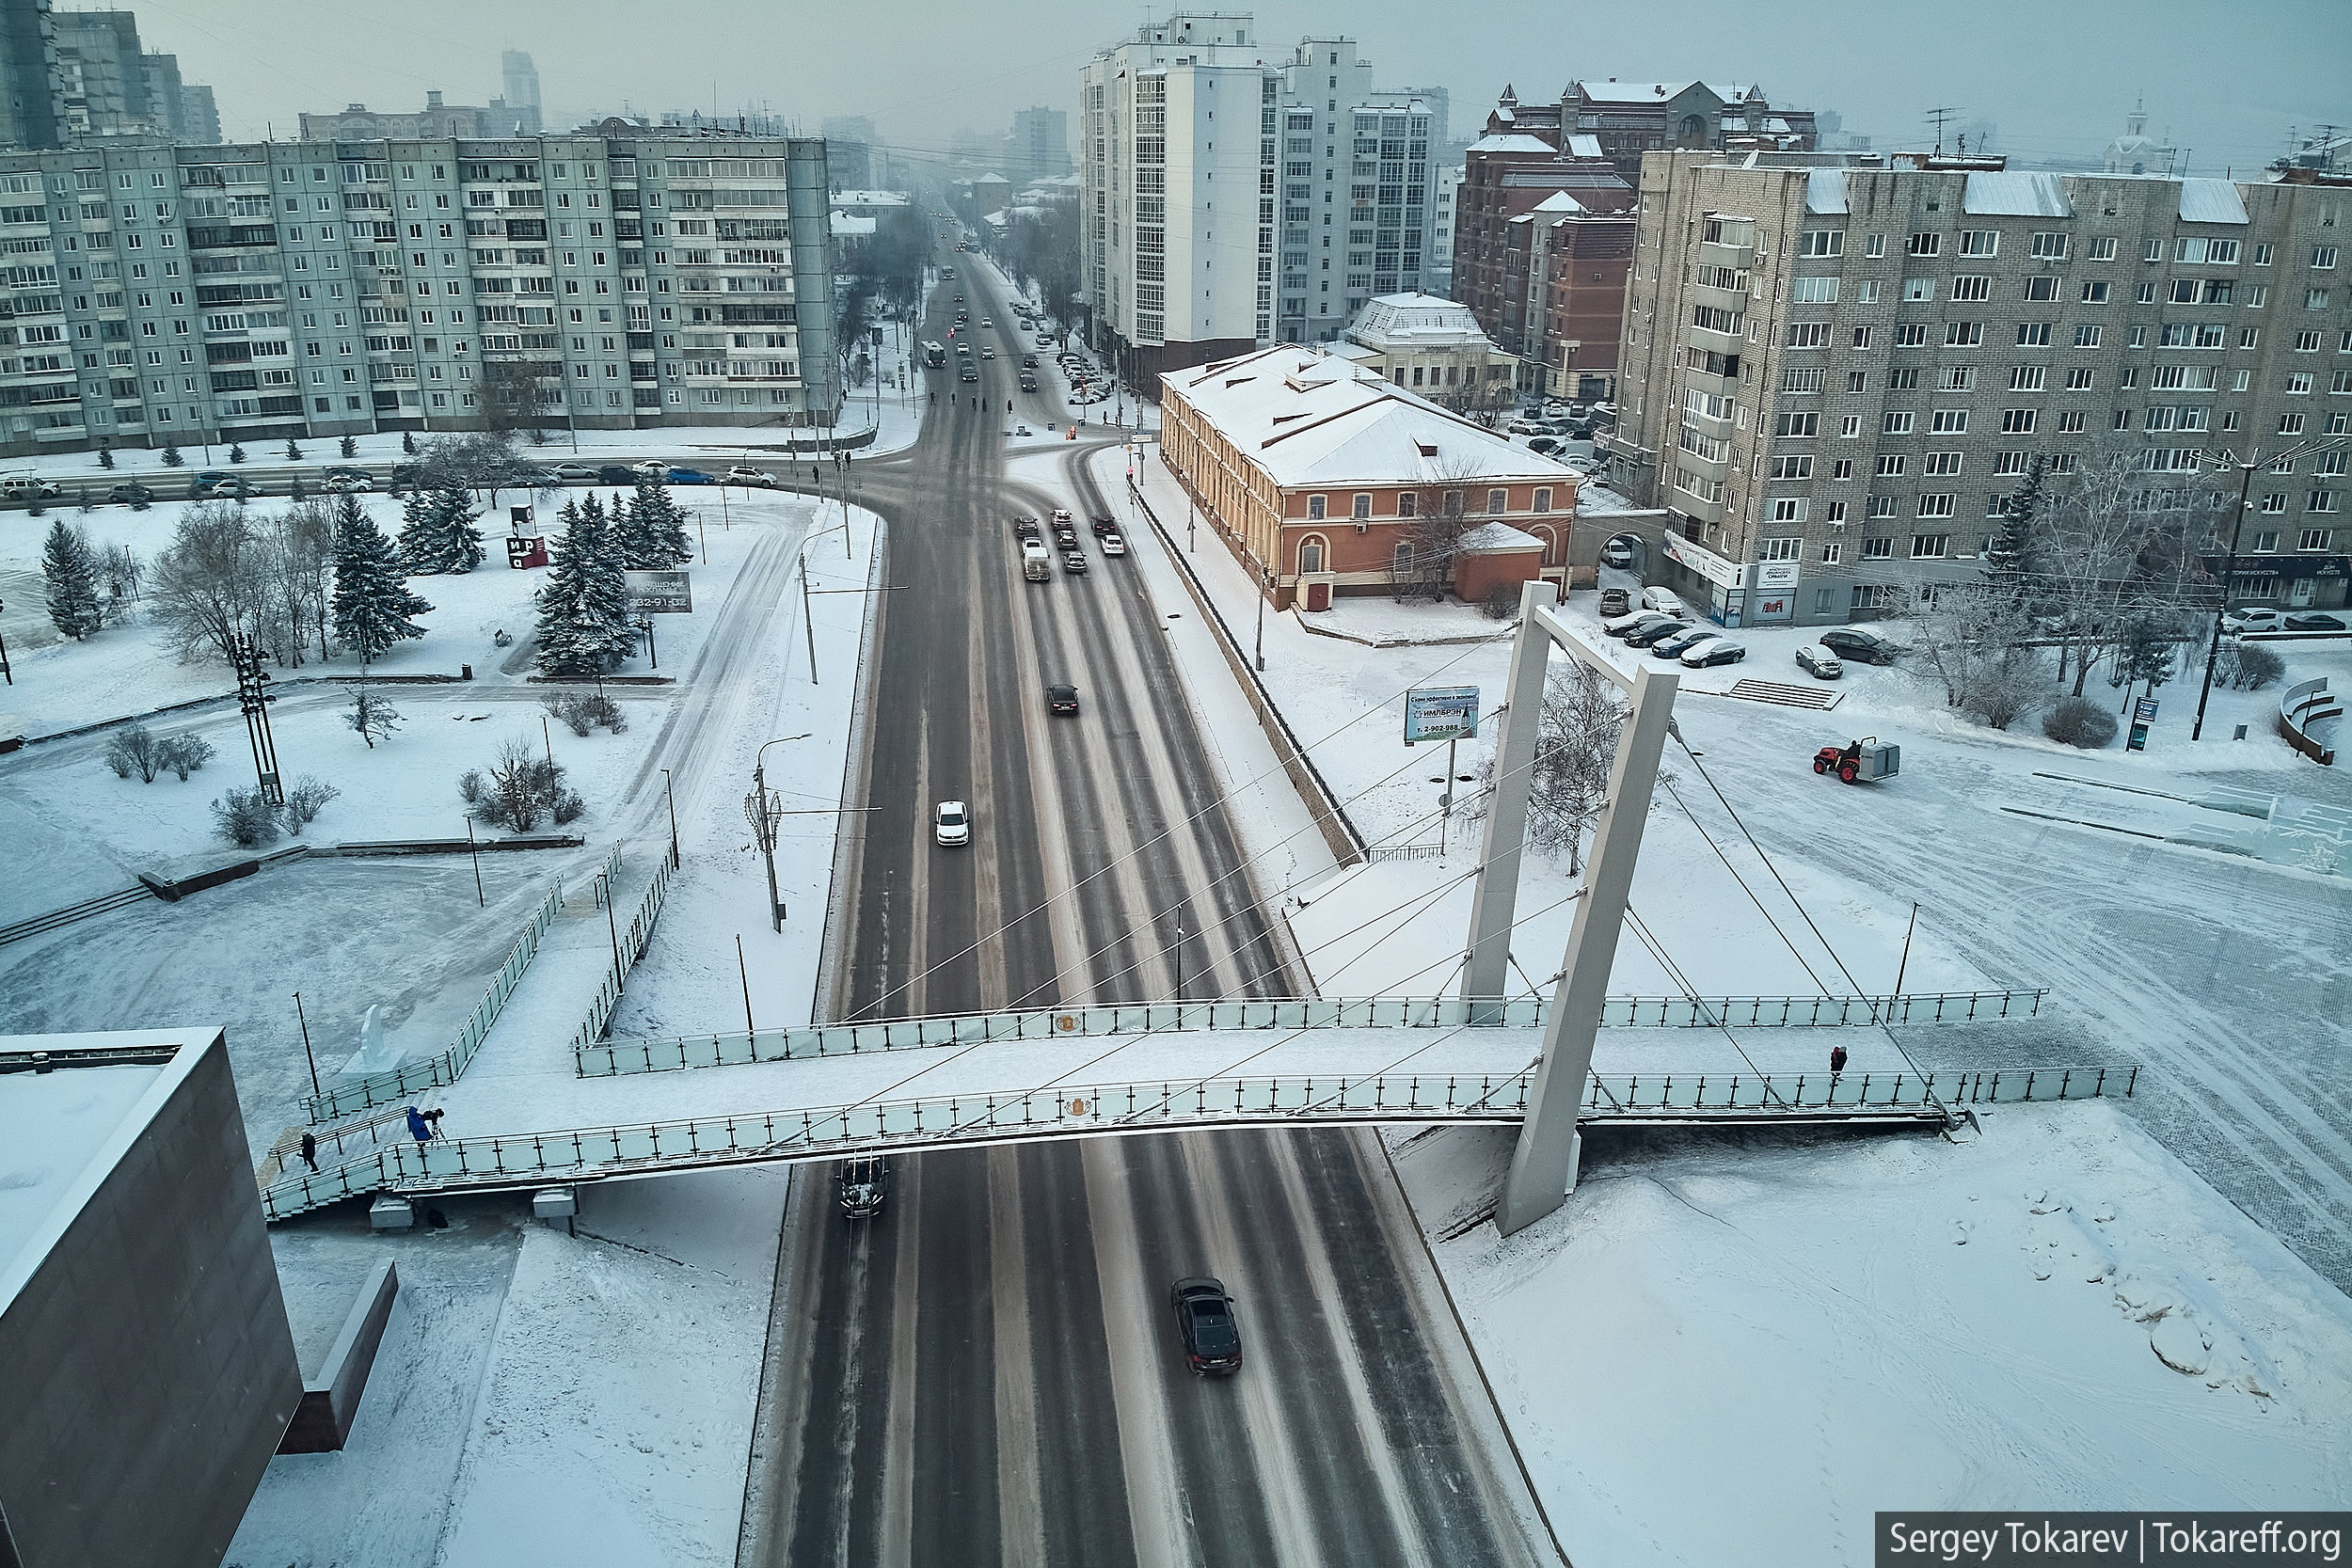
[936, 70]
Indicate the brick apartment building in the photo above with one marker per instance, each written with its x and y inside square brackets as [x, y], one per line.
[1838, 368]
[1324, 478]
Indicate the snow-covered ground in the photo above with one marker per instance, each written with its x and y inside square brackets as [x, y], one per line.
[1725, 1351]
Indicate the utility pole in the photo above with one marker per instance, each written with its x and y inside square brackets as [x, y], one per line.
[807, 622]
[1906, 964]
[5, 671]
[2247, 469]
[671, 795]
[764, 810]
[1265, 586]
[475, 850]
[253, 701]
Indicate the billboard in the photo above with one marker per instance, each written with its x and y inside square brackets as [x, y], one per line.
[661, 592]
[1440, 713]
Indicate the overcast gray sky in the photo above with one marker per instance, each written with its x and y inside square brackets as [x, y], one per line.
[2055, 76]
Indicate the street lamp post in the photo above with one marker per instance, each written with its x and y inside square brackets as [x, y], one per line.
[762, 810]
[1265, 586]
[2252, 461]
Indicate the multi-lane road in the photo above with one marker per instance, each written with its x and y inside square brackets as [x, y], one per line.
[989, 1374]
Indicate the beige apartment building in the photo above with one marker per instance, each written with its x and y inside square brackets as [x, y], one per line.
[1837, 369]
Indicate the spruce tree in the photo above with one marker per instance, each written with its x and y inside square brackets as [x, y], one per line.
[236, 452]
[373, 605]
[584, 623]
[407, 444]
[171, 454]
[2010, 563]
[436, 531]
[653, 536]
[106, 457]
[65, 560]
[347, 447]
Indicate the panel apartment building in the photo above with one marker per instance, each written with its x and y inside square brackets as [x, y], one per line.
[1327, 181]
[153, 293]
[1837, 372]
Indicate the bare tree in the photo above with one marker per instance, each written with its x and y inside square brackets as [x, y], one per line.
[2114, 540]
[210, 586]
[510, 401]
[1576, 744]
[1979, 640]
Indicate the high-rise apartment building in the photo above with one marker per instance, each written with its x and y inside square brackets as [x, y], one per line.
[1040, 148]
[851, 146]
[315, 288]
[1837, 370]
[77, 76]
[1327, 183]
[520, 79]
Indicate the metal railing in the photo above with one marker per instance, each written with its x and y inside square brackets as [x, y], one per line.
[605, 1058]
[446, 1065]
[1098, 1110]
[2300, 706]
[633, 940]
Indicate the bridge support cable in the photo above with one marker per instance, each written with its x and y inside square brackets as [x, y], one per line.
[1884, 1027]
[1658, 950]
[1778, 929]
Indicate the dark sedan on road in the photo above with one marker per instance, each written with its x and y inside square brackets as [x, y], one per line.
[2315, 622]
[1061, 699]
[970, 374]
[1074, 560]
[132, 492]
[1206, 1325]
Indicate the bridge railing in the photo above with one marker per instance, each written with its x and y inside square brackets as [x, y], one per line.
[606, 1058]
[1093, 1110]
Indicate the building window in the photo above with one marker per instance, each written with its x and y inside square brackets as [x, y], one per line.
[1404, 561]
[1925, 244]
[1408, 503]
[1780, 549]
[1362, 504]
[1315, 508]
[1878, 550]
[1938, 505]
[1792, 468]
[1929, 547]
[1543, 497]
[1309, 557]
[2313, 539]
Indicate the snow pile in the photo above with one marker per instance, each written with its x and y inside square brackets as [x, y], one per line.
[2056, 1314]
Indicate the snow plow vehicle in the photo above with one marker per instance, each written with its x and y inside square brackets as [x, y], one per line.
[1864, 761]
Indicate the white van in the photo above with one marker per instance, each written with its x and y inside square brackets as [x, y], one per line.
[1035, 563]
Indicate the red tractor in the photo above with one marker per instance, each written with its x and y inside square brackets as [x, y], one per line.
[1863, 761]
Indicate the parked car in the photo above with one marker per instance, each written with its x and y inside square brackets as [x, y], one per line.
[1615, 602]
[951, 824]
[1633, 621]
[1713, 650]
[225, 489]
[1543, 446]
[1661, 598]
[1656, 632]
[2254, 618]
[652, 467]
[1205, 1326]
[1616, 553]
[1114, 544]
[1524, 427]
[617, 473]
[1818, 662]
[689, 476]
[1682, 641]
[573, 471]
[2311, 620]
[130, 492]
[742, 475]
[1853, 642]
[339, 470]
[1061, 699]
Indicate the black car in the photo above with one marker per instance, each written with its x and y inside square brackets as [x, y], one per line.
[1028, 361]
[1061, 699]
[1025, 527]
[970, 375]
[618, 473]
[1029, 384]
[1206, 1325]
[1103, 525]
[131, 491]
[1658, 631]
[2313, 621]
[1856, 643]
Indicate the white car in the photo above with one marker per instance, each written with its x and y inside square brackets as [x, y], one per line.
[740, 475]
[1661, 600]
[1114, 544]
[951, 823]
[985, 321]
[2253, 619]
[347, 484]
[1617, 553]
[652, 467]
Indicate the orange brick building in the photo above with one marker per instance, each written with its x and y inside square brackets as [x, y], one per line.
[1324, 479]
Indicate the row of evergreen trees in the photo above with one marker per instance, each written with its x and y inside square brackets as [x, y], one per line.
[586, 626]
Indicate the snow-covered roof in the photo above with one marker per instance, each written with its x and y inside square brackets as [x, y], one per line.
[1632, 92]
[1513, 143]
[2015, 193]
[1825, 191]
[2212, 202]
[1584, 147]
[1497, 539]
[1416, 321]
[852, 226]
[1310, 418]
[871, 199]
